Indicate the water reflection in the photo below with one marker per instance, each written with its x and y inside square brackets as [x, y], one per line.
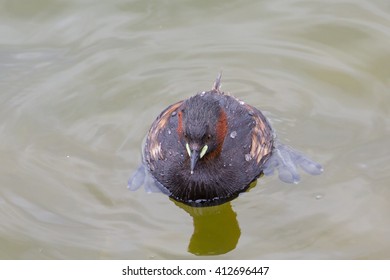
[216, 229]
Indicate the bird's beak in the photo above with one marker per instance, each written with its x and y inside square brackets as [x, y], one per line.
[195, 155]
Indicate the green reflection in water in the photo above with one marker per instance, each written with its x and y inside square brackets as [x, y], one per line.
[216, 229]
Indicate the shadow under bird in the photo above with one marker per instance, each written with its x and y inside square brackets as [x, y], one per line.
[209, 148]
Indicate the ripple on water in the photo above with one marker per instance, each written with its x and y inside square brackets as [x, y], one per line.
[77, 102]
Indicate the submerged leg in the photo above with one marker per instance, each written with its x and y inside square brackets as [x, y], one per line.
[137, 179]
[143, 177]
[285, 159]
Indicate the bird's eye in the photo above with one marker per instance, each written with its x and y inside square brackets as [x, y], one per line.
[206, 137]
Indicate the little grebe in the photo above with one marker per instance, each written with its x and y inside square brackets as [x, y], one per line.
[207, 149]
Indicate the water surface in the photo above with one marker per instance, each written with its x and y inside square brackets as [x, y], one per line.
[81, 81]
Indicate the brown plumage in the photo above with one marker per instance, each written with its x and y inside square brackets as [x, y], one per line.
[207, 149]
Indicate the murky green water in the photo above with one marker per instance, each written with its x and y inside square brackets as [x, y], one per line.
[81, 81]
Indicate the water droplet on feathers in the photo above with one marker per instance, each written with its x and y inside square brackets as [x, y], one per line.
[233, 134]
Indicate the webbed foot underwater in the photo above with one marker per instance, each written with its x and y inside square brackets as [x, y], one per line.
[209, 148]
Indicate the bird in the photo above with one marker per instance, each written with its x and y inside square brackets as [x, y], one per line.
[209, 148]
